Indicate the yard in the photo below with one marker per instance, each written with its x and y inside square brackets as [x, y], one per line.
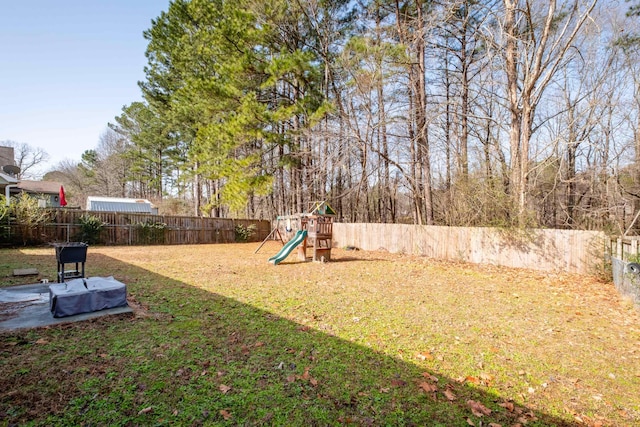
[219, 336]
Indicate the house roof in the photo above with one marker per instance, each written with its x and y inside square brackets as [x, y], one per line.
[118, 204]
[44, 187]
[7, 179]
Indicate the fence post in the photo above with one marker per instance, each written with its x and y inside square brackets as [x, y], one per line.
[619, 253]
[634, 248]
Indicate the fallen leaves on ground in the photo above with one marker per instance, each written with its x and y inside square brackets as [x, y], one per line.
[449, 394]
[396, 382]
[424, 355]
[428, 387]
[509, 406]
[477, 408]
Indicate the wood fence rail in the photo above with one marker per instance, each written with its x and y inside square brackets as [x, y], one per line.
[571, 251]
[123, 228]
[626, 248]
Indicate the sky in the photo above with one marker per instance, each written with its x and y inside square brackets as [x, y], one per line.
[67, 67]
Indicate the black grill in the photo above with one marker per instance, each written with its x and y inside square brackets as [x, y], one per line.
[70, 253]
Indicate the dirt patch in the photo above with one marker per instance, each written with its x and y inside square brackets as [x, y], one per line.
[9, 310]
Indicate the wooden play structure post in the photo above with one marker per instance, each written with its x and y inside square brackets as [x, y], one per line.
[302, 249]
[320, 233]
[319, 226]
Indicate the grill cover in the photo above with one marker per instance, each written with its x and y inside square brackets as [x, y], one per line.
[86, 295]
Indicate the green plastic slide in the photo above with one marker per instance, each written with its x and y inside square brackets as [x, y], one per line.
[288, 247]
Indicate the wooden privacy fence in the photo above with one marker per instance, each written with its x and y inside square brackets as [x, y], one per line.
[135, 228]
[626, 248]
[571, 251]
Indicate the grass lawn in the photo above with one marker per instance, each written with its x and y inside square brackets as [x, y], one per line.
[221, 337]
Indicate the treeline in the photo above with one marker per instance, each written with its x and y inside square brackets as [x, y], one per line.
[465, 112]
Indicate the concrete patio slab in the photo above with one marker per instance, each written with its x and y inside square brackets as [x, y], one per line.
[27, 306]
[25, 272]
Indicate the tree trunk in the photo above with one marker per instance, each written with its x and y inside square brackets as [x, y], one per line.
[515, 183]
[421, 115]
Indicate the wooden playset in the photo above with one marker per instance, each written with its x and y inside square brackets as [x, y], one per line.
[318, 225]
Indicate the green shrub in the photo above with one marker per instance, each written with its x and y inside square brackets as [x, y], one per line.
[150, 232]
[4, 209]
[28, 216]
[4, 220]
[91, 228]
[244, 233]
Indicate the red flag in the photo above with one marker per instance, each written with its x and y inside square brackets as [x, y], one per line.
[63, 201]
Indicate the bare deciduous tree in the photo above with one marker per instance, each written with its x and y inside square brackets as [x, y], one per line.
[27, 158]
[536, 40]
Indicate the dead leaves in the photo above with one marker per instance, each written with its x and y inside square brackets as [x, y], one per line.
[582, 419]
[449, 394]
[305, 377]
[522, 418]
[424, 355]
[483, 379]
[429, 386]
[509, 406]
[486, 379]
[225, 414]
[397, 382]
[478, 409]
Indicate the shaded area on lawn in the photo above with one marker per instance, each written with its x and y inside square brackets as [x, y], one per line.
[195, 357]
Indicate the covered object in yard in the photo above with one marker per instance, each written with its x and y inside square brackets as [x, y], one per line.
[86, 295]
